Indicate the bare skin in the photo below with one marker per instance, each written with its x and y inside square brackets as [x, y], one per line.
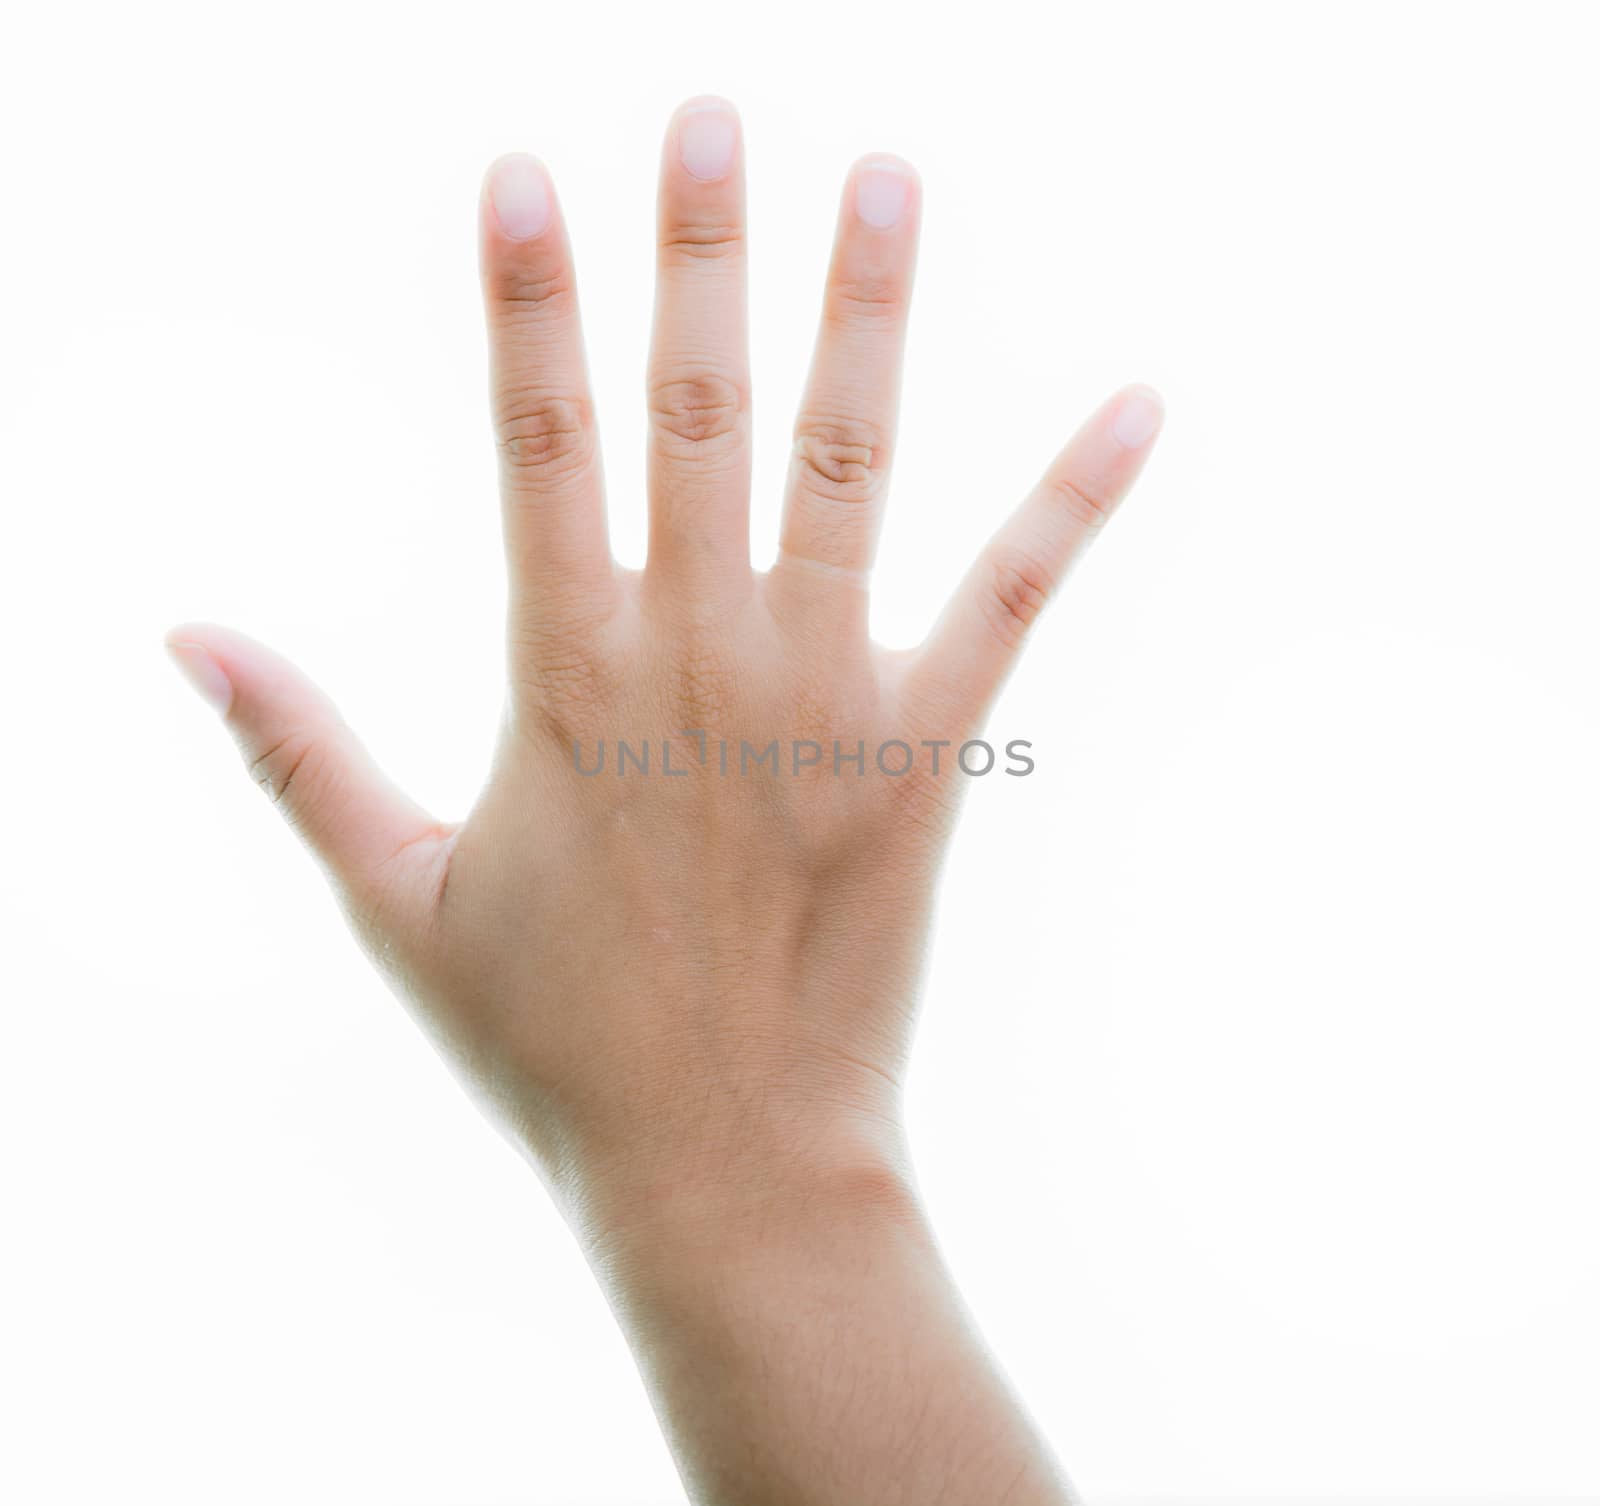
[688, 997]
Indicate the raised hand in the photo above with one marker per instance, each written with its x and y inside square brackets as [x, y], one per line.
[675, 946]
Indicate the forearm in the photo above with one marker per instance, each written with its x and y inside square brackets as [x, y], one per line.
[804, 1346]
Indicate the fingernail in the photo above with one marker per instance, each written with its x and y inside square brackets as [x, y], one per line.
[204, 673]
[1137, 419]
[707, 136]
[520, 194]
[882, 190]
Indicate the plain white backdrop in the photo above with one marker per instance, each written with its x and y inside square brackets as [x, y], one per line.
[1255, 1091]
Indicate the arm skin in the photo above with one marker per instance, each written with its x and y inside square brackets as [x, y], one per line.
[804, 1343]
[688, 1000]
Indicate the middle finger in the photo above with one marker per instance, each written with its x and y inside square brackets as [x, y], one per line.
[699, 360]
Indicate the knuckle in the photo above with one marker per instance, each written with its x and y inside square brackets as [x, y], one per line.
[544, 434]
[867, 298]
[285, 768]
[1085, 503]
[521, 289]
[562, 692]
[703, 242]
[699, 412]
[842, 461]
[702, 685]
[1018, 589]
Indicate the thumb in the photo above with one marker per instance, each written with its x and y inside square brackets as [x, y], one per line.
[372, 839]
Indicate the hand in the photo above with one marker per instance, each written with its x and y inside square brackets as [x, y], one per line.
[686, 993]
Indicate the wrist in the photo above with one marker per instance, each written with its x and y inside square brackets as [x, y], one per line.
[646, 1221]
[753, 1304]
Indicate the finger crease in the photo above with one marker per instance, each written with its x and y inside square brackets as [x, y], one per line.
[858, 578]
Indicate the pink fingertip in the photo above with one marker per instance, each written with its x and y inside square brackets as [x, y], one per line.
[883, 190]
[203, 672]
[1138, 417]
[519, 193]
[708, 138]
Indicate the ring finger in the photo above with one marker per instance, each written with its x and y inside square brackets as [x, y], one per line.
[844, 434]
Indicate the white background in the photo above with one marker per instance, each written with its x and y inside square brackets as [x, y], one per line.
[1254, 1098]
